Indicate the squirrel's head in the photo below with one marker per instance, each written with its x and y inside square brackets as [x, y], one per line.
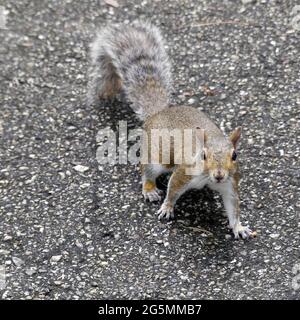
[220, 159]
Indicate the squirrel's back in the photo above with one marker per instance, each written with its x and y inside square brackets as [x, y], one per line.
[133, 58]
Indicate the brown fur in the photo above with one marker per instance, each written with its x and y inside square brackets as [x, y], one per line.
[149, 186]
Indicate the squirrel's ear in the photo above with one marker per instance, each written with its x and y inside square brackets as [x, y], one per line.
[235, 136]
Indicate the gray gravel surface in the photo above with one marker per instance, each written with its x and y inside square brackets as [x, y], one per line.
[66, 234]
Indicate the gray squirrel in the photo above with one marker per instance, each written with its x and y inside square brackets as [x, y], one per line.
[132, 58]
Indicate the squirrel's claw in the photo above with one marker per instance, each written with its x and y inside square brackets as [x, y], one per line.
[165, 211]
[153, 195]
[240, 231]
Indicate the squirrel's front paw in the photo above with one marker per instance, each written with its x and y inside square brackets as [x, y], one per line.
[244, 232]
[166, 211]
[153, 195]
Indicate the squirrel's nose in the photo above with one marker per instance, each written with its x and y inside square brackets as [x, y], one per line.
[219, 177]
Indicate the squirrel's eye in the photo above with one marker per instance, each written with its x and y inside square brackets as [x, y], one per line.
[234, 156]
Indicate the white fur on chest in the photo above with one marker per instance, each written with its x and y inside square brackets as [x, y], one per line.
[223, 188]
[198, 182]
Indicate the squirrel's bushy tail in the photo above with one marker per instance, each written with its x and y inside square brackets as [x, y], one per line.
[132, 58]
